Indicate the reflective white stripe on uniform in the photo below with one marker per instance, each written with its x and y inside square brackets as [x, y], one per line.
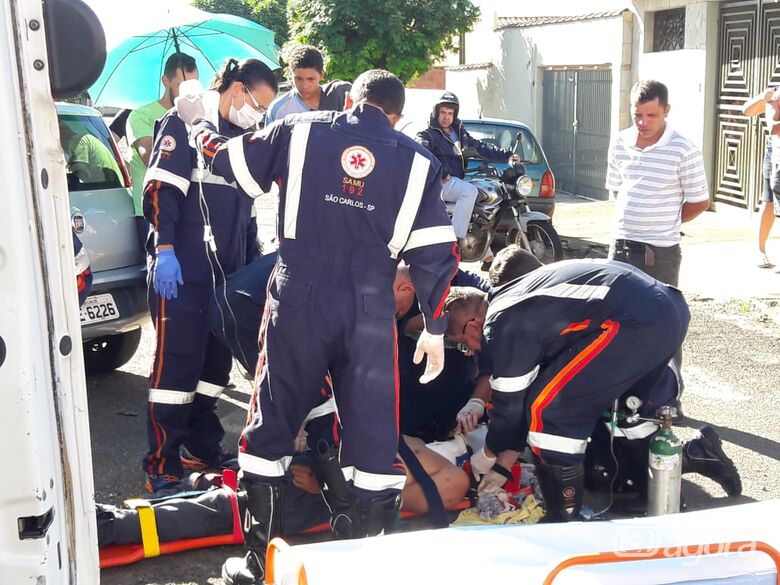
[298, 143]
[373, 482]
[209, 389]
[516, 384]
[324, 409]
[563, 290]
[556, 443]
[237, 157]
[640, 431]
[159, 396]
[440, 234]
[205, 177]
[158, 174]
[263, 467]
[415, 187]
[82, 261]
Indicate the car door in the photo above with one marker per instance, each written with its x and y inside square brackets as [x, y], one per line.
[101, 201]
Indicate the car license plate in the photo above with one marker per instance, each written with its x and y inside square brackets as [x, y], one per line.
[99, 308]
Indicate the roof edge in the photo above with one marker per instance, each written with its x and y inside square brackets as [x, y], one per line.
[510, 22]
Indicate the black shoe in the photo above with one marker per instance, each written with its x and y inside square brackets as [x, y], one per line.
[246, 570]
[562, 490]
[705, 456]
[260, 523]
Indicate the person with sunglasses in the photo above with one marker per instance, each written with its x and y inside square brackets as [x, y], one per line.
[203, 229]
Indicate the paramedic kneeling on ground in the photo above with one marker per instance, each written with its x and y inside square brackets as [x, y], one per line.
[355, 196]
[566, 341]
[626, 455]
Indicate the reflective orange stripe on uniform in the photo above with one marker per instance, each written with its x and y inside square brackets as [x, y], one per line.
[574, 327]
[582, 359]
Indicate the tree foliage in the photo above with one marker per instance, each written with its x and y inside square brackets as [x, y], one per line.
[402, 36]
[270, 13]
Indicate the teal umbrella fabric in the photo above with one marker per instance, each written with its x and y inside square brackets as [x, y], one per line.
[131, 76]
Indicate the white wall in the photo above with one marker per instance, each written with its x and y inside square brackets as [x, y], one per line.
[512, 88]
[686, 90]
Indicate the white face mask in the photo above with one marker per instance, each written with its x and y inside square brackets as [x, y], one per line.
[245, 117]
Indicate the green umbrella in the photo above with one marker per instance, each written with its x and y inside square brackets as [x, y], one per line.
[131, 76]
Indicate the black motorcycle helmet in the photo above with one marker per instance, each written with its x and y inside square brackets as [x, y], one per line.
[447, 99]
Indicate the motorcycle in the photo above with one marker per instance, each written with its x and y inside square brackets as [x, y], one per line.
[502, 217]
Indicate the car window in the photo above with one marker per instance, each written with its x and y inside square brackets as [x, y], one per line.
[90, 157]
[503, 136]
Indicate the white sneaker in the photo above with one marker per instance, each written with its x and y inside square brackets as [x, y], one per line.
[764, 261]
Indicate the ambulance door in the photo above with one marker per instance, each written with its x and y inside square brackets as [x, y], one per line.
[47, 513]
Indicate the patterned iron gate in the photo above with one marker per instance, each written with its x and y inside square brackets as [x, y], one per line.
[576, 128]
[748, 56]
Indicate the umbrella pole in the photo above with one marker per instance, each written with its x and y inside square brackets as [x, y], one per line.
[176, 43]
[178, 51]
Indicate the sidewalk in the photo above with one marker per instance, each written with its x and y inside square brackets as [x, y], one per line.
[719, 247]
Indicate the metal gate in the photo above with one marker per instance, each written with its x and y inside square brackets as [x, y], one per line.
[576, 128]
[748, 57]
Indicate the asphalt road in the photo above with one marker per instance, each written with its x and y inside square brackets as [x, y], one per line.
[731, 363]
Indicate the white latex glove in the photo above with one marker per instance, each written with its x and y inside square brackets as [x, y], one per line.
[432, 347]
[194, 102]
[189, 102]
[469, 415]
[481, 464]
[491, 482]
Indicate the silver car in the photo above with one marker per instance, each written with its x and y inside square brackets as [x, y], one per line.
[103, 218]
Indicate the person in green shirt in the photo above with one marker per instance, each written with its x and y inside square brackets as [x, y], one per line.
[140, 128]
[89, 158]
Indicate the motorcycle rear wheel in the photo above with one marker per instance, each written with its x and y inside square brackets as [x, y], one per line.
[544, 241]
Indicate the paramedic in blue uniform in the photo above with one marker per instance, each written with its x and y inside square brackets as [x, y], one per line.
[356, 196]
[202, 231]
[566, 341]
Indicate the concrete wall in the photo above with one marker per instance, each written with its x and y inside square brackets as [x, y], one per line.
[512, 88]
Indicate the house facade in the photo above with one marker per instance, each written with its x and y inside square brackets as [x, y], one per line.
[567, 72]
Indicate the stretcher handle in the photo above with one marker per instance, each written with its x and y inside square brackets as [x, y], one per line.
[277, 545]
[668, 552]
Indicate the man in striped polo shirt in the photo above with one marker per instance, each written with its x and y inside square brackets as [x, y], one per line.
[658, 178]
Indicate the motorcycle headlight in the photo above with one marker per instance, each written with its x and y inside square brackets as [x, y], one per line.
[524, 185]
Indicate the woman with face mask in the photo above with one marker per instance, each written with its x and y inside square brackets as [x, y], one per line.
[203, 229]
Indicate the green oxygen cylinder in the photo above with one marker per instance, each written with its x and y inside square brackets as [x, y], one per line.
[665, 467]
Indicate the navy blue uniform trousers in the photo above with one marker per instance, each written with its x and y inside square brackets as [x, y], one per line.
[331, 313]
[191, 367]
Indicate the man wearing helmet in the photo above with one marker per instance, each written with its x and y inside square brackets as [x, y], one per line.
[446, 138]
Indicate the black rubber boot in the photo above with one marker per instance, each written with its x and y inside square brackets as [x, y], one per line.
[562, 490]
[359, 520]
[705, 456]
[351, 518]
[260, 521]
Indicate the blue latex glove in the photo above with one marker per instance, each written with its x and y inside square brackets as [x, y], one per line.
[167, 273]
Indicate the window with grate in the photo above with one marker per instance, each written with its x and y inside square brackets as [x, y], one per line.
[669, 30]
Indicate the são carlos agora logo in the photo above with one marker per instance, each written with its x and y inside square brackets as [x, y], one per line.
[357, 162]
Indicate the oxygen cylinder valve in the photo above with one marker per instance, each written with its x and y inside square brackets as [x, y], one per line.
[633, 403]
[664, 467]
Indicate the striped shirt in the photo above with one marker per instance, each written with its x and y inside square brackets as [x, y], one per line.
[653, 184]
